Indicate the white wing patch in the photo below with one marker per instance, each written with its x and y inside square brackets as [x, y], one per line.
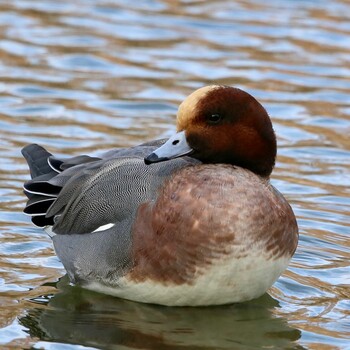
[104, 227]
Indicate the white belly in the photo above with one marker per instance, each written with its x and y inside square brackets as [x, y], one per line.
[228, 282]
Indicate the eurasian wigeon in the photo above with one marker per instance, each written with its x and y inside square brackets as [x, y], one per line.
[192, 220]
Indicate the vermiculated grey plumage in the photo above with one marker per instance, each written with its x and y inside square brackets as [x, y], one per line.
[78, 195]
[108, 191]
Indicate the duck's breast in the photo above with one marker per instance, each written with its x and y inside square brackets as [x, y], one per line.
[216, 234]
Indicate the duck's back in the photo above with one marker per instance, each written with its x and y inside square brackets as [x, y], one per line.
[88, 204]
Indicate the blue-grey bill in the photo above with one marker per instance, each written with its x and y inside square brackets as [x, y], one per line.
[175, 147]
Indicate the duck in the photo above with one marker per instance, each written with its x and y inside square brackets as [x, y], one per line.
[192, 220]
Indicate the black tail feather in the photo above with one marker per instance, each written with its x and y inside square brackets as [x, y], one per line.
[42, 188]
[47, 182]
[36, 157]
[38, 205]
[41, 194]
[42, 221]
[61, 165]
[55, 163]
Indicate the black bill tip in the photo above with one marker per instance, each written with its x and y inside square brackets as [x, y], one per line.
[153, 158]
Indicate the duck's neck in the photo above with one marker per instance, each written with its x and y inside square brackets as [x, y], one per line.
[262, 167]
[257, 155]
[250, 149]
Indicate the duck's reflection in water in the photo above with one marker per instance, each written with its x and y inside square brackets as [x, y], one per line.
[78, 316]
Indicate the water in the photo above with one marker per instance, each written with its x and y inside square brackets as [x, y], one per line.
[87, 75]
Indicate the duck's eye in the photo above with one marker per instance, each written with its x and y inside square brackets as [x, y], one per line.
[214, 118]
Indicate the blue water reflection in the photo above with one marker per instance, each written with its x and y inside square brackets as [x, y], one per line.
[81, 77]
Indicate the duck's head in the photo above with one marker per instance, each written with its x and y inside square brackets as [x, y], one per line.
[222, 124]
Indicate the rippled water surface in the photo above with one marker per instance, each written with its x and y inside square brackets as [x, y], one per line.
[82, 76]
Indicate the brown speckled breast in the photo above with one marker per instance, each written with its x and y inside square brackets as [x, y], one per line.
[207, 213]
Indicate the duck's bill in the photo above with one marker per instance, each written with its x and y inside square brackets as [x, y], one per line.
[175, 147]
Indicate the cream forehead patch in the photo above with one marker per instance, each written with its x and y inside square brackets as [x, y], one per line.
[188, 106]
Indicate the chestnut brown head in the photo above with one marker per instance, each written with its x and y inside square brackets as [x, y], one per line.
[222, 124]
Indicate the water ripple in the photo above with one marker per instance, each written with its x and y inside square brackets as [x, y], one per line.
[86, 76]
